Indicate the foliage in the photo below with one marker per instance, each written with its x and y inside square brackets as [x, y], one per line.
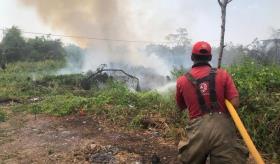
[17, 80]
[13, 45]
[74, 56]
[259, 88]
[123, 106]
[15, 48]
[2, 116]
[72, 80]
[42, 48]
[60, 105]
[180, 38]
[175, 51]
[178, 71]
[232, 54]
[266, 51]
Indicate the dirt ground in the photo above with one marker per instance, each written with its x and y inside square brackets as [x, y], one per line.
[78, 139]
[27, 139]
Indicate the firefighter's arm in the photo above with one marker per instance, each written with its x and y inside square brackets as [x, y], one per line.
[179, 97]
[231, 92]
[235, 102]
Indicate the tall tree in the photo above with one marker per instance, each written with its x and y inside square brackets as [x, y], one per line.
[13, 45]
[223, 4]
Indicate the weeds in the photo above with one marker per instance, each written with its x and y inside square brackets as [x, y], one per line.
[259, 88]
[60, 105]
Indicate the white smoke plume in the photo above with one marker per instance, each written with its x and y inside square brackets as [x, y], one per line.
[101, 19]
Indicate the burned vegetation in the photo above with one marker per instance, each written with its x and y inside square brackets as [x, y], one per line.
[102, 75]
[91, 80]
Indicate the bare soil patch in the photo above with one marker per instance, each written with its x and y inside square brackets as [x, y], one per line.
[79, 139]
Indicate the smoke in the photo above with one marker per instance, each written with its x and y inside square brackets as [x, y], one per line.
[101, 19]
[167, 87]
[104, 19]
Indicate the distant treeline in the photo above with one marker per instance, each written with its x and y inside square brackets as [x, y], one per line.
[14, 47]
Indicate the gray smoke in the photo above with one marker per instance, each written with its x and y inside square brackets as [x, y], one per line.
[101, 19]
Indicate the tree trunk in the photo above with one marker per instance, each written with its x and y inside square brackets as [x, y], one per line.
[223, 5]
[223, 9]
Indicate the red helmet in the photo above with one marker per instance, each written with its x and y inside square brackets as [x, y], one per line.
[201, 48]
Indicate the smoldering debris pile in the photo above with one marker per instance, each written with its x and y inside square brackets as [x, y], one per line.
[143, 79]
[96, 79]
[102, 74]
[148, 78]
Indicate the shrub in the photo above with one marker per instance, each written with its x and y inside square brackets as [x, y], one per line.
[259, 88]
[61, 105]
[2, 116]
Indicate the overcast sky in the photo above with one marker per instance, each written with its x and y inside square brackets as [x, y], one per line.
[246, 19]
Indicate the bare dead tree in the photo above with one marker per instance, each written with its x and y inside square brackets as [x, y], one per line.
[223, 4]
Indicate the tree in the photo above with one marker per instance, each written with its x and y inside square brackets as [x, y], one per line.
[276, 39]
[180, 38]
[174, 53]
[2, 58]
[41, 48]
[13, 45]
[74, 56]
[266, 51]
[15, 48]
[223, 4]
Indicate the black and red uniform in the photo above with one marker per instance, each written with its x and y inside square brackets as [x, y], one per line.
[186, 95]
[210, 130]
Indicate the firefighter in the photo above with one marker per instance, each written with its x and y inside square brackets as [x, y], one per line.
[210, 129]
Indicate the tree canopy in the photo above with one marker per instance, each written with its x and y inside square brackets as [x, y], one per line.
[14, 47]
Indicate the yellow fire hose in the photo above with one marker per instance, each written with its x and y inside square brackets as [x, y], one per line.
[247, 139]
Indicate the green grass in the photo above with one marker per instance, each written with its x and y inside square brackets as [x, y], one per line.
[18, 79]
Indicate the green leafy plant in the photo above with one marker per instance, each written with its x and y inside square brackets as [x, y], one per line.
[259, 87]
[2, 116]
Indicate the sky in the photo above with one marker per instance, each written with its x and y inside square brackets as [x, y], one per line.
[152, 20]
